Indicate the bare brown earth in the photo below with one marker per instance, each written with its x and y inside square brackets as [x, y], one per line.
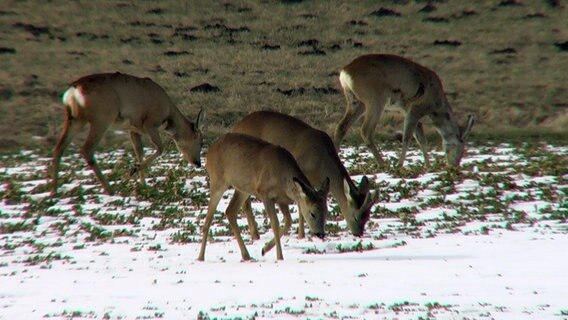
[505, 60]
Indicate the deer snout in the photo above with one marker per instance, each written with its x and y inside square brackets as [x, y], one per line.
[320, 235]
[197, 163]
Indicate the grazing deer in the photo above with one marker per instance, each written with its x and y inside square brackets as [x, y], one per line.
[382, 80]
[315, 153]
[102, 99]
[269, 172]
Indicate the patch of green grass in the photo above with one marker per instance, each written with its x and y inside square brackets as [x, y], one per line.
[357, 247]
[40, 258]
[184, 237]
[20, 226]
[13, 193]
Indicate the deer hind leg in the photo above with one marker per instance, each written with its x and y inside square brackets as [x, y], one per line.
[411, 122]
[285, 229]
[353, 111]
[214, 198]
[88, 151]
[253, 228]
[70, 129]
[421, 139]
[271, 211]
[237, 202]
[136, 140]
[372, 116]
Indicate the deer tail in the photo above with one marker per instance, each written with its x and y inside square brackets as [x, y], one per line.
[73, 100]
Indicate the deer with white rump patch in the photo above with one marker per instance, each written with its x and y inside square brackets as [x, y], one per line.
[315, 153]
[382, 81]
[103, 99]
[269, 172]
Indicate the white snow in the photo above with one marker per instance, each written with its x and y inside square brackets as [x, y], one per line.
[446, 265]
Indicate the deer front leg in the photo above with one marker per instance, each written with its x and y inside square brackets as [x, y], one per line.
[372, 116]
[237, 202]
[285, 229]
[253, 228]
[301, 228]
[154, 136]
[411, 121]
[136, 140]
[421, 139]
[271, 211]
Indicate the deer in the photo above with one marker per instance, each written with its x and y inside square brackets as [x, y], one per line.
[374, 82]
[106, 98]
[252, 166]
[315, 153]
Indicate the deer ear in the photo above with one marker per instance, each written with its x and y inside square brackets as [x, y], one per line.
[200, 120]
[300, 187]
[470, 122]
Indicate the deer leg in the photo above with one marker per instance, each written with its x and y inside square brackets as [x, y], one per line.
[301, 228]
[421, 139]
[154, 136]
[285, 229]
[253, 228]
[411, 120]
[214, 198]
[88, 151]
[353, 111]
[236, 202]
[136, 140]
[70, 128]
[271, 211]
[372, 116]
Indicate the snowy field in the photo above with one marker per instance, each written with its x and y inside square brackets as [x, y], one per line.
[489, 242]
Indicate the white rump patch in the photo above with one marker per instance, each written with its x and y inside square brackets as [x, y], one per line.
[73, 98]
[345, 80]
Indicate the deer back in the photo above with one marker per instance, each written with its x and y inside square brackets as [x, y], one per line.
[375, 77]
[311, 148]
[253, 166]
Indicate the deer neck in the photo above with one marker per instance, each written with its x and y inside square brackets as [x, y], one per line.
[176, 117]
[336, 188]
[446, 124]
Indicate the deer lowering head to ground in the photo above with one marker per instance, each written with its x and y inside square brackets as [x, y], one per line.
[269, 172]
[382, 80]
[103, 99]
[315, 153]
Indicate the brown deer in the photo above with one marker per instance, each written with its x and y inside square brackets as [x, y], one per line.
[315, 153]
[383, 80]
[103, 99]
[269, 172]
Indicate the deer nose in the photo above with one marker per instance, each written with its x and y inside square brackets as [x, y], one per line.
[320, 235]
[197, 163]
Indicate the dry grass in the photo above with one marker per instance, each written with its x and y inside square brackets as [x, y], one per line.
[282, 55]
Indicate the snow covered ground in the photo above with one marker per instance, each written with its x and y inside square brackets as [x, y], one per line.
[490, 244]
